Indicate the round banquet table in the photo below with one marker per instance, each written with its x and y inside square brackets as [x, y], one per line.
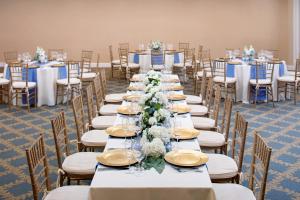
[144, 60]
[244, 72]
[45, 77]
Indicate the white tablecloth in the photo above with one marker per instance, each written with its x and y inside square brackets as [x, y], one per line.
[145, 61]
[46, 83]
[150, 185]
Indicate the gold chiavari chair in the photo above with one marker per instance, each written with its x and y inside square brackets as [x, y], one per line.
[87, 55]
[124, 46]
[218, 139]
[95, 121]
[289, 82]
[128, 69]
[75, 166]
[204, 109]
[258, 176]
[222, 168]
[263, 80]
[113, 98]
[5, 92]
[210, 122]
[86, 137]
[115, 64]
[182, 46]
[198, 99]
[53, 54]
[11, 57]
[39, 176]
[187, 65]
[274, 53]
[20, 84]
[107, 109]
[219, 73]
[205, 65]
[70, 85]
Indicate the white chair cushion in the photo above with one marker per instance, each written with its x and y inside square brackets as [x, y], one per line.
[211, 139]
[200, 74]
[3, 81]
[116, 62]
[221, 166]
[94, 138]
[193, 99]
[103, 122]
[19, 85]
[133, 65]
[1, 75]
[198, 110]
[64, 81]
[69, 192]
[203, 123]
[114, 98]
[109, 109]
[229, 191]
[260, 81]
[178, 65]
[89, 75]
[288, 79]
[80, 163]
[158, 67]
[220, 79]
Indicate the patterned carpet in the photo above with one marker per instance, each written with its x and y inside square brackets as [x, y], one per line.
[280, 127]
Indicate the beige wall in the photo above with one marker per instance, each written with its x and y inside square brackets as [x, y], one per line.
[94, 24]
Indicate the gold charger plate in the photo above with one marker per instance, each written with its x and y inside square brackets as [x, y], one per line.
[33, 66]
[186, 158]
[234, 63]
[117, 158]
[176, 97]
[132, 98]
[180, 109]
[58, 65]
[175, 88]
[121, 131]
[185, 133]
[136, 88]
[127, 110]
[171, 81]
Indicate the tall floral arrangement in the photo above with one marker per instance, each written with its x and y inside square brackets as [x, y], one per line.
[155, 45]
[40, 55]
[154, 115]
[249, 52]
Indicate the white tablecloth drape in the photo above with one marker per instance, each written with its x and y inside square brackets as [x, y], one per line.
[116, 184]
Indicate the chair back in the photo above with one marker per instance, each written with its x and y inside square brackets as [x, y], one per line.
[203, 86]
[86, 66]
[220, 69]
[261, 155]
[59, 130]
[103, 83]
[273, 52]
[238, 140]
[53, 54]
[90, 104]
[124, 46]
[216, 106]
[73, 70]
[297, 69]
[123, 54]
[38, 168]
[263, 71]
[98, 92]
[111, 55]
[86, 55]
[11, 56]
[208, 94]
[226, 119]
[78, 112]
[182, 46]
[205, 61]
[18, 72]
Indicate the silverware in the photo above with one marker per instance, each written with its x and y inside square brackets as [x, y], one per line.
[179, 169]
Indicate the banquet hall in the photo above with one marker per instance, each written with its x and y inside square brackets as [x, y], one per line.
[150, 100]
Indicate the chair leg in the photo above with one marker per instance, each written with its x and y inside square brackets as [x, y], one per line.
[28, 100]
[256, 94]
[272, 94]
[295, 93]
[57, 88]
[278, 82]
[35, 97]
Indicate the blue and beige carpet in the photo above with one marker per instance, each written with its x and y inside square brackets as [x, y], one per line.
[279, 126]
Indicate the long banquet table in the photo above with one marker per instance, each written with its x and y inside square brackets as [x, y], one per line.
[114, 184]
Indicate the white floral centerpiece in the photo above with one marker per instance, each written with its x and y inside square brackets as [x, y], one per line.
[154, 116]
[155, 45]
[248, 53]
[40, 55]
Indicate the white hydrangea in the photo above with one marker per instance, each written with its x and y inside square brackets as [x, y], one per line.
[162, 114]
[152, 121]
[160, 132]
[161, 98]
[154, 148]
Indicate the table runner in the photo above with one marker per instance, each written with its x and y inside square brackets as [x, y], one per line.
[113, 184]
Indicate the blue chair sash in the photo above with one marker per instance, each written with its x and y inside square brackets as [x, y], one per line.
[136, 58]
[176, 58]
[157, 59]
